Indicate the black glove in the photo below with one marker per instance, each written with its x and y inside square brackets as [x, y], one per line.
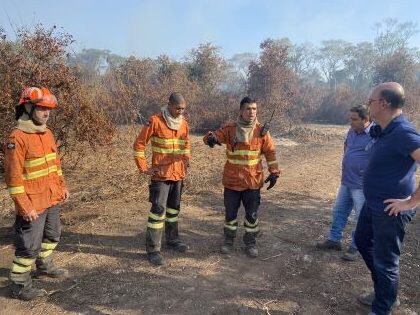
[211, 141]
[272, 179]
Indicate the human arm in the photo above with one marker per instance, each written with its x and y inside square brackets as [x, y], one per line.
[395, 206]
[140, 147]
[13, 164]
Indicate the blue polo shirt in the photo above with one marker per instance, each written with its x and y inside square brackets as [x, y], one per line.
[355, 158]
[391, 170]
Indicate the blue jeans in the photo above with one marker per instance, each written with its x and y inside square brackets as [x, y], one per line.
[379, 238]
[347, 199]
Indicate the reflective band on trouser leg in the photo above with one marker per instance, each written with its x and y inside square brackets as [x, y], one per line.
[172, 215]
[47, 249]
[232, 225]
[22, 265]
[155, 221]
[251, 227]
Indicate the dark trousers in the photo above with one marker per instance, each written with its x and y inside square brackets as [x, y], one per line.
[251, 199]
[34, 242]
[379, 239]
[165, 197]
[30, 235]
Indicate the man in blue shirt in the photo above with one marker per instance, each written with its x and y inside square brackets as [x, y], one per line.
[391, 195]
[350, 194]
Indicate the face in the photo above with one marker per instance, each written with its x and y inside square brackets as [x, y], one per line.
[356, 122]
[177, 110]
[41, 114]
[375, 104]
[249, 112]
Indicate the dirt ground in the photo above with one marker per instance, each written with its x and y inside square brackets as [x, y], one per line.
[104, 233]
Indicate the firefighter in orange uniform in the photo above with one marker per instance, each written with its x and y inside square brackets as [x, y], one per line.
[243, 172]
[169, 136]
[35, 182]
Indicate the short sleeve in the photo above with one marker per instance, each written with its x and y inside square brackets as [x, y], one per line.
[408, 141]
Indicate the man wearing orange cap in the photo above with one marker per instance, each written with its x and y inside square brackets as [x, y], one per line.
[35, 183]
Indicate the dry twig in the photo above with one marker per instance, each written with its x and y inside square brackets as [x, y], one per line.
[267, 258]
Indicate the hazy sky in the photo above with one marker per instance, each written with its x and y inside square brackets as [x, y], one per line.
[150, 28]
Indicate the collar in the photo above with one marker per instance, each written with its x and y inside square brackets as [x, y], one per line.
[394, 123]
[366, 130]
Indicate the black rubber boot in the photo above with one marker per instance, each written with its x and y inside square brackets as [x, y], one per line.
[155, 258]
[172, 238]
[153, 240]
[227, 246]
[250, 244]
[45, 268]
[153, 246]
[21, 287]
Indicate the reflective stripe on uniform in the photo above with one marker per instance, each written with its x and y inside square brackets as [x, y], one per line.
[243, 152]
[252, 230]
[172, 151]
[156, 217]
[17, 268]
[248, 224]
[49, 245]
[24, 261]
[174, 219]
[271, 162]
[16, 190]
[157, 225]
[41, 160]
[40, 173]
[45, 253]
[251, 227]
[245, 162]
[232, 225]
[139, 153]
[172, 211]
[167, 141]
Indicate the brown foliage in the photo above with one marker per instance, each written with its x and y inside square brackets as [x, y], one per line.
[38, 58]
[271, 80]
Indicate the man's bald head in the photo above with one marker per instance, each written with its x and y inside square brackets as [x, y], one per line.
[391, 92]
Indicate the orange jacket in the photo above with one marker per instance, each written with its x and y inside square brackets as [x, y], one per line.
[243, 169]
[33, 171]
[170, 149]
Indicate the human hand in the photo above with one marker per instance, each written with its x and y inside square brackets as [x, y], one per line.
[272, 178]
[66, 195]
[151, 171]
[395, 206]
[212, 141]
[31, 216]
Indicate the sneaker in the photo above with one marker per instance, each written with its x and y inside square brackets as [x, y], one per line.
[26, 294]
[328, 245]
[367, 299]
[178, 246]
[251, 251]
[155, 258]
[351, 255]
